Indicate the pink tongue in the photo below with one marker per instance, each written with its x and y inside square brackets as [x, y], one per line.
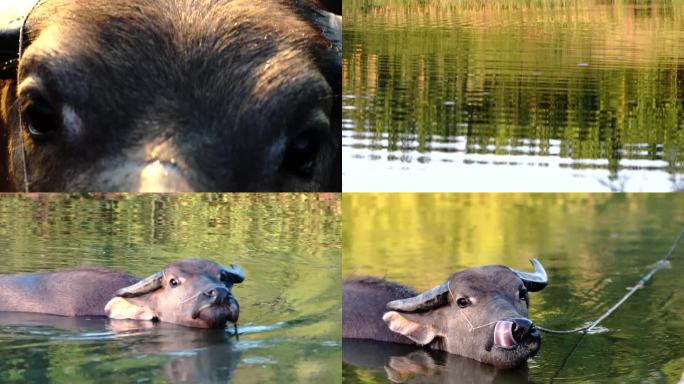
[503, 334]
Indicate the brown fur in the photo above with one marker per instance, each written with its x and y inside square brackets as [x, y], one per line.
[215, 88]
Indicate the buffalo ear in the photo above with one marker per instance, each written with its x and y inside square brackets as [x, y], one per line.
[119, 308]
[418, 363]
[12, 16]
[420, 333]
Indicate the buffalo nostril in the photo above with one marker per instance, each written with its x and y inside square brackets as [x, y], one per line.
[217, 295]
[522, 328]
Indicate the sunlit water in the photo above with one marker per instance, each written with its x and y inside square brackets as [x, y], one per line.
[593, 247]
[495, 96]
[288, 245]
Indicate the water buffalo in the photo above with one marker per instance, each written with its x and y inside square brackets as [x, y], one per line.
[164, 96]
[480, 313]
[192, 292]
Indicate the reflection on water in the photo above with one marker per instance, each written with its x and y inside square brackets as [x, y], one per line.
[593, 247]
[177, 354]
[400, 363]
[583, 95]
[289, 246]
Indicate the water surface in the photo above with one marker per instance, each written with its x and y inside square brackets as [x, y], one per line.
[593, 246]
[461, 95]
[288, 245]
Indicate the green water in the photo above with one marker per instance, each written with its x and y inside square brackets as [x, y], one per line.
[593, 247]
[461, 95]
[288, 245]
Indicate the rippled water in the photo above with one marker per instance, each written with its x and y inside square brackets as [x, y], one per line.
[593, 246]
[485, 96]
[289, 246]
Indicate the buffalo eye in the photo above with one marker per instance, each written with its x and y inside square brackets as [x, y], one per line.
[463, 302]
[40, 117]
[309, 130]
[523, 295]
[174, 283]
[302, 152]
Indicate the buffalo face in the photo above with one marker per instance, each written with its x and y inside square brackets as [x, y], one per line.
[479, 313]
[194, 293]
[189, 95]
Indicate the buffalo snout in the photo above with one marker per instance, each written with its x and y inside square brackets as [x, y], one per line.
[217, 295]
[160, 176]
[216, 306]
[524, 331]
[509, 334]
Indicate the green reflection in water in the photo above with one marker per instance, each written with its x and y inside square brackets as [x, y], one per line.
[592, 245]
[582, 85]
[288, 244]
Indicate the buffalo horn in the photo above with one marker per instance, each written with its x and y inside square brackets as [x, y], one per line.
[234, 273]
[534, 281]
[328, 23]
[435, 297]
[146, 285]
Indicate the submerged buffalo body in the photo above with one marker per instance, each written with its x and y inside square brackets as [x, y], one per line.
[480, 313]
[192, 292]
[181, 95]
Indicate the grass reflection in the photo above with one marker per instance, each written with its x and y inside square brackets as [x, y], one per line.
[583, 80]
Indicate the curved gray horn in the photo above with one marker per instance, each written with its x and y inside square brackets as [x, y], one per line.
[328, 23]
[146, 285]
[435, 297]
[534, 281]
[234, 273]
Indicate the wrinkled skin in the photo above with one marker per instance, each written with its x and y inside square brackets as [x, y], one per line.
[495, 294]
[201, 298]
[181, 95]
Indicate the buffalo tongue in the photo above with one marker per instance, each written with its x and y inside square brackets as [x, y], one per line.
[503, 334]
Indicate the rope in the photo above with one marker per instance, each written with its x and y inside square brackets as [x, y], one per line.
[584, 330]
[21, 123]
[662, 263]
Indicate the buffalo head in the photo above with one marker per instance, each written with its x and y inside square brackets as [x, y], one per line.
[170, 96]
[480, 313]
[192, 292]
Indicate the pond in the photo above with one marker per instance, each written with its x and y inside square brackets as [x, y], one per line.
[288, 245]
[558, 96]
[593, 247]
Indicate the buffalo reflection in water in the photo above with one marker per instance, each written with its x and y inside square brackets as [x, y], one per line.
[192, 355]
[411, 364]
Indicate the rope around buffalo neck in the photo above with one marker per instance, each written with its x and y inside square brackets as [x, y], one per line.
[662, 263]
